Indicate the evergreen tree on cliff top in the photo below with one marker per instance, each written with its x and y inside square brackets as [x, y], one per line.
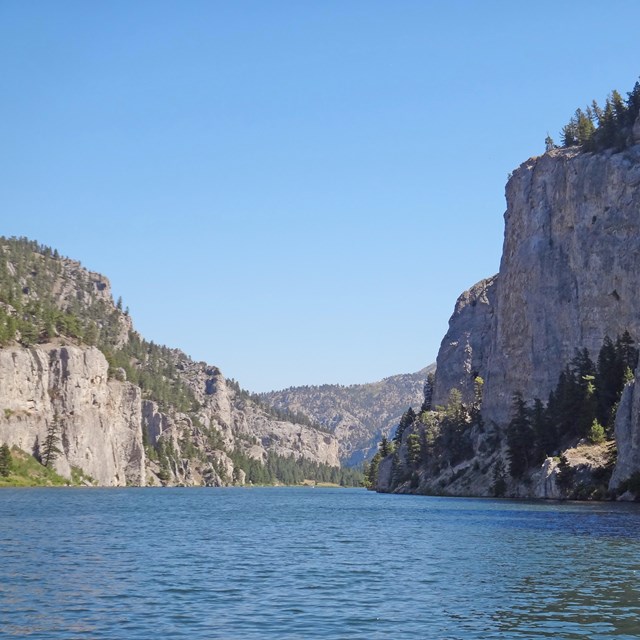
[596, 128]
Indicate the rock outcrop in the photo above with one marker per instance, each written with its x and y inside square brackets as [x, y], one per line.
[627, 431]
[568, 277]
[97, 419]
[466, 345]
[102, 422]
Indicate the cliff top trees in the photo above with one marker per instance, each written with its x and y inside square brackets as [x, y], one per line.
[607, 127]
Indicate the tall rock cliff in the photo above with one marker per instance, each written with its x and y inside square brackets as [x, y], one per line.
[569, 273]
[569, 277]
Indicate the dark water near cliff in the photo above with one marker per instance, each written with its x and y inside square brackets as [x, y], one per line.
[312, 563]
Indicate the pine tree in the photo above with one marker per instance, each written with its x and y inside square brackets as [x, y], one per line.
[454, 443]
[596, 433]
[584, 127]
[545, 435]
[633, 104]
[619, 107]
[607, 380]
[414, 450]
[385, 447]
[5, 460]
[50, 448]
[428, 393]
[371, 472]
[499, 485]
[398, 471]
[519, 437]
[626, 351]
[549, 144]
[408, 418]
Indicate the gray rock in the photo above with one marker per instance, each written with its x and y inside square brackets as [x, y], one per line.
[99, 418]
[627, 432]
[569, 276]
[465, 347]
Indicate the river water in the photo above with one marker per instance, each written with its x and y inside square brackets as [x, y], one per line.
[313, 563]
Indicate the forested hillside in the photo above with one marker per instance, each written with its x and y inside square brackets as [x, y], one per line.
[195, 427]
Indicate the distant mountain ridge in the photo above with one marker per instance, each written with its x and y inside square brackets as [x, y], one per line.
[357, 415]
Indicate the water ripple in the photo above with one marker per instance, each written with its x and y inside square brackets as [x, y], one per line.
[298, 563]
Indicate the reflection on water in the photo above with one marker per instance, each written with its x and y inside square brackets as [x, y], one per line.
[313, 563]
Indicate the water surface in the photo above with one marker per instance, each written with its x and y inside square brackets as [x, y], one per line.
[313, 563]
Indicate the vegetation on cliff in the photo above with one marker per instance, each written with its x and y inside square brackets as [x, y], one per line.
[609, 127]
[428, 442]
[19, 469]
[45, 297]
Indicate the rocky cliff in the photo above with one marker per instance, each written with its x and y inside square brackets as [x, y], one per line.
[569, 276]
[99, 419]
[569, 271]
[465, 348]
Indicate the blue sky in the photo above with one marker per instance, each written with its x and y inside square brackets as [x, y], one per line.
[296, 192]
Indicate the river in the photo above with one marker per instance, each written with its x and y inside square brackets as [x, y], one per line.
[263, 563]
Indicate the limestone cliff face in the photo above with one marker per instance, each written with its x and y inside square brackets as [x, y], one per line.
[568, 276]
[103, 422]
[175, 422]
[627, 431]
[569, 272]
[465, 348]
[98, 419]
[243, 422]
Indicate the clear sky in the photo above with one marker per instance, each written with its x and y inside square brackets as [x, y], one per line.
[295, 191]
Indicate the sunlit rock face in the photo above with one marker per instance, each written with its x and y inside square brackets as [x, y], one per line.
[569, 276]
[98, 420]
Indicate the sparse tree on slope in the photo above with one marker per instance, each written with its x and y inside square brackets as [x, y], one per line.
[428, 393]
[5, 460]
[50, 448]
